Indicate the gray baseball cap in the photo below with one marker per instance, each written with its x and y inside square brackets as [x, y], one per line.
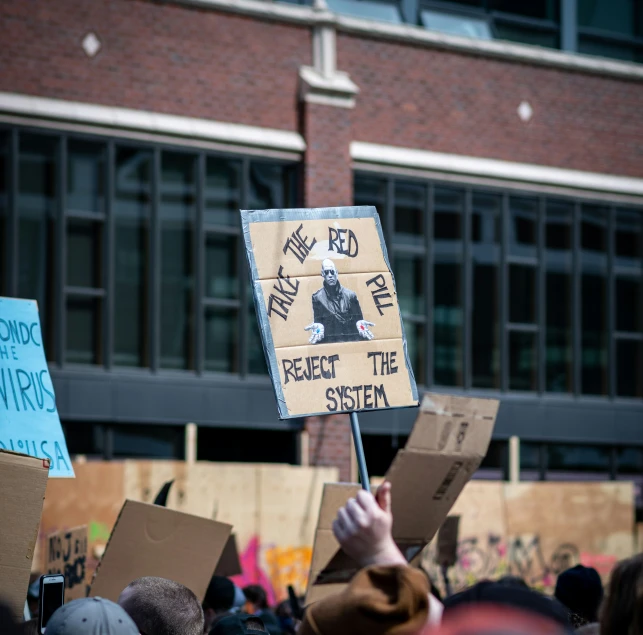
[91, 616]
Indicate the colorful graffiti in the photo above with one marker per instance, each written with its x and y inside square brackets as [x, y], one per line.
[480, 559]
[274, 568]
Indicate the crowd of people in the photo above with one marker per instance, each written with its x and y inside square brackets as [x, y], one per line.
[386, 597]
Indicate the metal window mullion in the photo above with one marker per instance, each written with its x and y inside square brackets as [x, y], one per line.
[611, 309]
[389, 225]
[199, 267]
[244, 323]
[576, 301]
[60, 254]
[86, 292]
[108, 258]
[467, 293]
[428, 286]
[541, 296]
[154, 337]
[569, 26]
[221, 303]
[504, 295]
[13, 237]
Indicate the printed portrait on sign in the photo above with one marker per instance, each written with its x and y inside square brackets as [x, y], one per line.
[327, 310]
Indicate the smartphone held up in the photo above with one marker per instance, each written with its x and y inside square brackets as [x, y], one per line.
[52, 597]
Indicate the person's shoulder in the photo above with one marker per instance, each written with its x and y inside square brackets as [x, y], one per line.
[318, 293]
[351, 295]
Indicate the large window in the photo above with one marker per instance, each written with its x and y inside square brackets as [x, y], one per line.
[134, 251]
[519, 292]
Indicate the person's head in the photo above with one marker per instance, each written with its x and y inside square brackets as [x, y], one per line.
[513, 580]
[580, 589]
[622, 609]
[221, 597]
[256, 599]
[239, 625]
[329, 272]
[91, 615]
[162, 607]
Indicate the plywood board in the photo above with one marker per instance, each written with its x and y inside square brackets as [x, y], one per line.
[328, 310]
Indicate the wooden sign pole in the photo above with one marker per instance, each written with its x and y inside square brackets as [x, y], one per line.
[359, 451]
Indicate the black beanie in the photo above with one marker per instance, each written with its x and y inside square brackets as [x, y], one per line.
[580, 589]
[220, 594]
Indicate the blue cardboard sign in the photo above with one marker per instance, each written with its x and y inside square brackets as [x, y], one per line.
[29, 421]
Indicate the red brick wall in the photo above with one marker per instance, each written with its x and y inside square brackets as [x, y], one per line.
[424, 98]
[330, 443]
[155, 56]
[328, 177]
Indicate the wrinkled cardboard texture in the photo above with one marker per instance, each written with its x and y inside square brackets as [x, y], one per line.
[286, 281]
[149, 540]
[334, 497]
[449, 439]
[23, 480]
[447, 551]
[229, 563]
[66, 553]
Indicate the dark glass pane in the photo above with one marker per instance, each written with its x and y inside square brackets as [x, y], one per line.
[594, 239]
[594, 334]
[448, 214]
[368, 190]
[541, 9]
[415, 344]
[409, 283]
[629, 461]
[84, 253]
[270, 186]
[409, 213]
[523, 357]
[617, 16]
[497, 455]
[593, 230]
[221, 266]
[526, 34]
[558, 296]
[523, 227]
[628, 305]
[447, 325]
[177, 217]
[36, 213]
[578, 458]
[84, 331]
[558, 332]
[221, 340]
[629, 368]
[132, 210]
[85, 176]
[628, 239]
[485, 325]
[4, 167]
[522, 294]
[529, 455]
[256, 357]
[606, 48]
[222, 191]
[154, 442]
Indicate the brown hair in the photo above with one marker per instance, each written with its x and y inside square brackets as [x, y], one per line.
[622, 610]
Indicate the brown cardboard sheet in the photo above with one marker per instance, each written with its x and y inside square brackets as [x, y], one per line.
[149, 540]
[229, 563]
[23, 480]
[332, 344]
[448, 441]
[67, 554]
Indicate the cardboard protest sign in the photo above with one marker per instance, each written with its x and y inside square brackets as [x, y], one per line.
[29, 420]
[229, 563]
[23, 480]
[67, 555]
[328, 310]
[150, 540]
[448, 441]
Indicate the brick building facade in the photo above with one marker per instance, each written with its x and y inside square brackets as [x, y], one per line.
[335, 99]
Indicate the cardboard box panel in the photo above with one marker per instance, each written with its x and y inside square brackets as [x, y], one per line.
[149, 540]
[67, 555]
[23, 480]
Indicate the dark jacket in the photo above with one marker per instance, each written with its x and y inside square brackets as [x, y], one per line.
[338, 311]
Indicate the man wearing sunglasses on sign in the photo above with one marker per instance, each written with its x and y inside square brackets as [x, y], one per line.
[337, 315]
